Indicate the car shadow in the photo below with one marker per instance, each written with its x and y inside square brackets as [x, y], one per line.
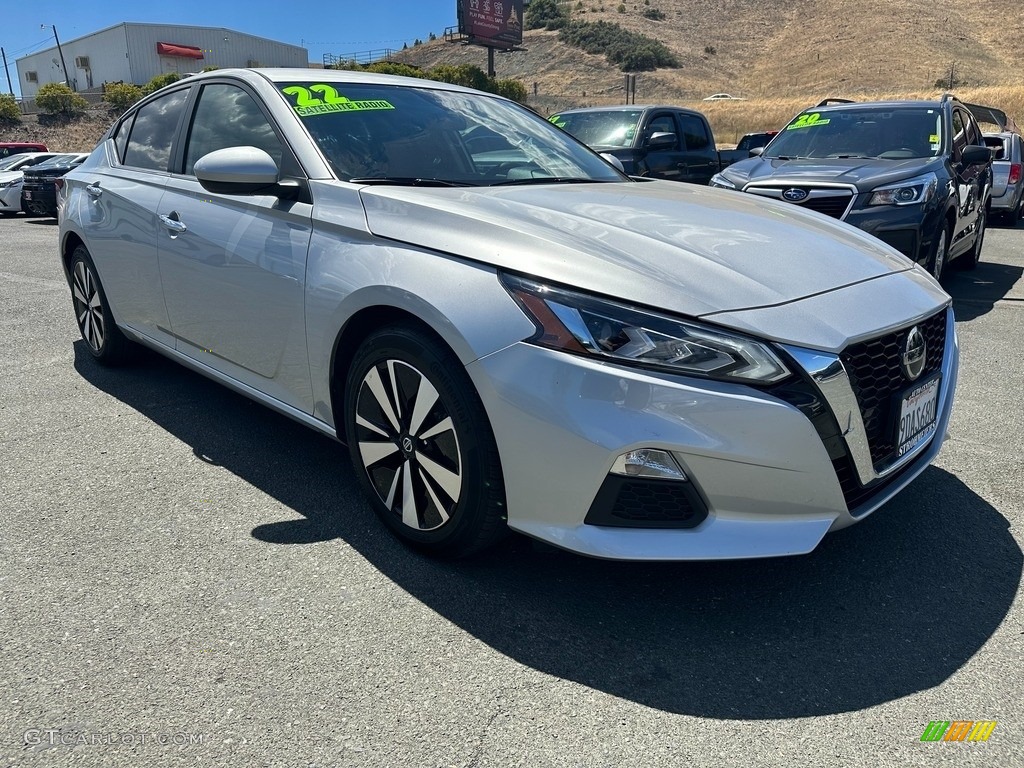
[975, 292]
[879, 611]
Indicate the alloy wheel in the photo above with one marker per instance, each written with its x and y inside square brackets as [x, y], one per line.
[408, 445]
[88, 306]
[939, 259]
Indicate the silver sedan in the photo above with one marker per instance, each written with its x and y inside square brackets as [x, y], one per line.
[505, 331]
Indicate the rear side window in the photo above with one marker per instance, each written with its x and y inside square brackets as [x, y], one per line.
[121, 137]
[152, 133]
[227, 116]
[695, 134]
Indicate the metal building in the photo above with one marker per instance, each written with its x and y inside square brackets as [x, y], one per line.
[135, 53]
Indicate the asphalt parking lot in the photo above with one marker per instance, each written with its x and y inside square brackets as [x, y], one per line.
[190, 579]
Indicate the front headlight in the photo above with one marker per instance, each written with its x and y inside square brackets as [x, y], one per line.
[919, 189]
[718, 180]
[585, 325]
[6, 184]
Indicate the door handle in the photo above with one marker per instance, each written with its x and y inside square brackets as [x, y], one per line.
[94, 189]
[173, 223]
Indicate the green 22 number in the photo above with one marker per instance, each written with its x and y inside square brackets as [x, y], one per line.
[303, 97]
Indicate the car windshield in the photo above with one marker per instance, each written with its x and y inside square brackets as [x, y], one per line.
[601, 129]
[887, 133]
[374, 133]
[56, 160]
[11, 162]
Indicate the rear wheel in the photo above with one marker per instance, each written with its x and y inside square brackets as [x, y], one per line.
[102, 337]
[422, 445]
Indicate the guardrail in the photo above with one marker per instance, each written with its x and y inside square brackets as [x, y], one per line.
[363, 57]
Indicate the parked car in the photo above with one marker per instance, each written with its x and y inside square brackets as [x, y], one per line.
[8, 148]
[510, 336]
[11, 174]
[660, 142]
[39, 187]
[916, 174]
[751, 141]
[723, 97]
[1007, 178]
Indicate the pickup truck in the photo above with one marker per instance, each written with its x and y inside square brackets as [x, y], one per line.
[661, 142]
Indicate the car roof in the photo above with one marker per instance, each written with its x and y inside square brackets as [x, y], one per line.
[626, 108]
[291, 75]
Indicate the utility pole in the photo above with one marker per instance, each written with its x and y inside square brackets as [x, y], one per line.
[67, 80]
[7, 71]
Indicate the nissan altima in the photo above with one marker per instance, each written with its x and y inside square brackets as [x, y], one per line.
[506, 331]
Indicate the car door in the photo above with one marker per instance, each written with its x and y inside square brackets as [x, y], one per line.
[118, 213]
[701, 157]
[971, 179]
[662, 158]
[233, 266]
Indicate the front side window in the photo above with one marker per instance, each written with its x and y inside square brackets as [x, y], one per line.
[887, 133]
[227, 116]
[149, 144]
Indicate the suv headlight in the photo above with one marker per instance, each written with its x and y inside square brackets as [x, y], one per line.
[919, 189]
[585, 325]
[718, 180]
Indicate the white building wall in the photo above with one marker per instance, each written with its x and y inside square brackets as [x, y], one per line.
[221, 48]
[127, 52]
[105, 50]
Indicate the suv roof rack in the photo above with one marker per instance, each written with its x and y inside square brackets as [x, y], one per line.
[827, 102]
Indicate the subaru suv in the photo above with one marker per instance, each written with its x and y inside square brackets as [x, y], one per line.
[915, 174]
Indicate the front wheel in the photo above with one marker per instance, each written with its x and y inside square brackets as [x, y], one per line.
[422, 445]
[937, 262]
[970, 259]
[102, 337]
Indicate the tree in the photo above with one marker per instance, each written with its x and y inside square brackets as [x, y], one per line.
[120, 96]
[544, 14]
[59, 99]
[9, 111]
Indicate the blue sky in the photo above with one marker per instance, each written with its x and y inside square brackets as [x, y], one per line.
[341, 27]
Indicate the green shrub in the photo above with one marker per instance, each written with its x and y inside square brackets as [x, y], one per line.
[544, 14]
[120, 96]
[468, 75]
[654, 13]
[511, 89]
[9, 110]
[59, 99]
[390, 68]
[630, 50]
[159, 82]
[621, 8]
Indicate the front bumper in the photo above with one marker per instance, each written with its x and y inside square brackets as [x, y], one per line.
[757, 462]
[10, 199]
[40, 201]
[908, 229]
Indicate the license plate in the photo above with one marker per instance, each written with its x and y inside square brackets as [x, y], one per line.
[28, 195]
[918, 415]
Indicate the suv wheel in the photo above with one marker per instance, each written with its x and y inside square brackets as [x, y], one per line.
[970, 259]
[937, 263]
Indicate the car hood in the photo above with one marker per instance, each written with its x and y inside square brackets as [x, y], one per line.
[863, 173]
[663, 244]
[6, 176]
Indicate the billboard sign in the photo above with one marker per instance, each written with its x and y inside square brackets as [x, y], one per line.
[494, 23]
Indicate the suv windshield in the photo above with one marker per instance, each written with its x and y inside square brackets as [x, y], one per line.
[887, 133]
[601, 129]
[373, 133]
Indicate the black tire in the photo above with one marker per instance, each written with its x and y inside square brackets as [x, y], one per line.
[437, 484]
[970, 259]
[100, 333]
[940, 254]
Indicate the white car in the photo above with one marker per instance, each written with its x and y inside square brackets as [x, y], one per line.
[11, 177]
[515, 336]
[723, 97]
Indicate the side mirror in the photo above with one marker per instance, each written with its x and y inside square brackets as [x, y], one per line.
[613, 161]
[237, 171]
[756, 151]
[976, 155]
[661, 140]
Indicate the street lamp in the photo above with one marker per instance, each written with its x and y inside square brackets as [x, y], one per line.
[63, 66]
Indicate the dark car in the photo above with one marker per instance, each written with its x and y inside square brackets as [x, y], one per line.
[39, 191]
[661, 142]
[915, 174]
[754, 140]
